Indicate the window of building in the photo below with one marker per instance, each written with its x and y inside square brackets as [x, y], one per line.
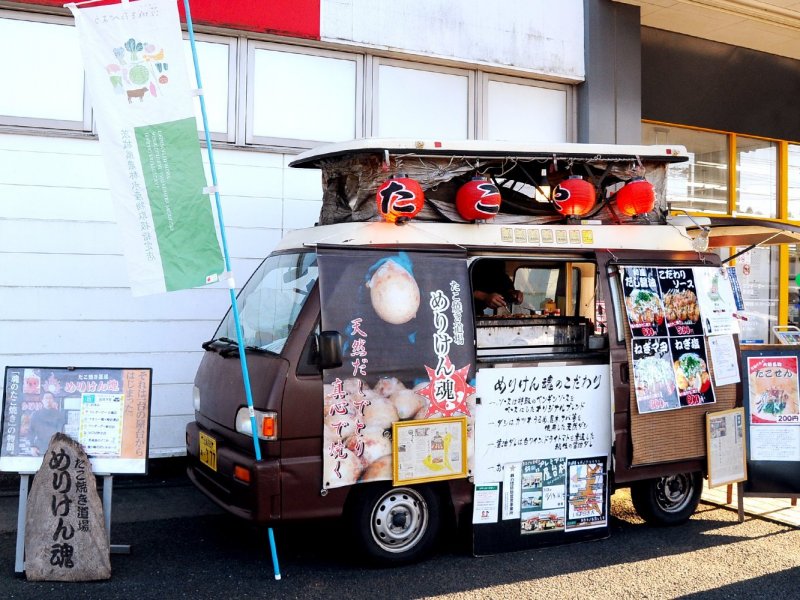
[217, 59]
[701, 184]
[793, 176]
[298, 97]
[42, 74]
[757, 272]
[412, 100]
[294, 96]
[756, 177]
[520, 110]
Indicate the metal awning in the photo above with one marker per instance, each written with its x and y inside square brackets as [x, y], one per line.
[739, 231]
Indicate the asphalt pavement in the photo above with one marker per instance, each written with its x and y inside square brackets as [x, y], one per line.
[183, 546]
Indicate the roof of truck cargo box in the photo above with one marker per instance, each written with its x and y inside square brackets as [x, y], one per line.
[490, 149]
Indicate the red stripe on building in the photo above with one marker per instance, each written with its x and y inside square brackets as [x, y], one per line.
[295, 18]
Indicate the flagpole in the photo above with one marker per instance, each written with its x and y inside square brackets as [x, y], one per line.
[231, 283]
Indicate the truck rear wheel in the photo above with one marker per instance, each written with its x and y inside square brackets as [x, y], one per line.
[669, 500]
[395, 526]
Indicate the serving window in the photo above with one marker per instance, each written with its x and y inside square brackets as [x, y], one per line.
[548, 307]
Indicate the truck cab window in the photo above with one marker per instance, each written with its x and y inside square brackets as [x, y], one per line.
[271, 301]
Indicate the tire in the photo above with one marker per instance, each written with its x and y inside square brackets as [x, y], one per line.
[395, 526]
[669, 500]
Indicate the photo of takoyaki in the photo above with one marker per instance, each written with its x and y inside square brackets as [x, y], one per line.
[691, 373]
[644, 307]
[681, 307]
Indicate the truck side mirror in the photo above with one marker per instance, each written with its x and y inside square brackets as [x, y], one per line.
[330, 349]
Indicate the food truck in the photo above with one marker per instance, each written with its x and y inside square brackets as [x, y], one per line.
[393, 390]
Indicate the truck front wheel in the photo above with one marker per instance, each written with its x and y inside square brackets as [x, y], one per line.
[395, 526]
[669, 500]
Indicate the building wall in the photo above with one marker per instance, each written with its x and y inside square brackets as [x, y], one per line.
[609, 100]
[691, 81]
[63, 280]
[543, 37]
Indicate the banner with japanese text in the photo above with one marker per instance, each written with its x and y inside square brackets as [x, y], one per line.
[408, 354]
[141, 96]
[106, 410]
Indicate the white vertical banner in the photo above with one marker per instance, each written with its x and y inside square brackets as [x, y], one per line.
[137, 78]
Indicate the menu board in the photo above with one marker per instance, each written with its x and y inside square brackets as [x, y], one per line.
[665, 316]
[772, 419]
[773, 400]
[105, 410]
[543, 436]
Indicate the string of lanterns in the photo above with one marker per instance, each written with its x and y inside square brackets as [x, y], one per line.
[401, 198]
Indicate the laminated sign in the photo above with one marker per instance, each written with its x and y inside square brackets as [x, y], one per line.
[137, 79]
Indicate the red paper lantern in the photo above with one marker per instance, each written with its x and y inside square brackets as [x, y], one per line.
[400, 198]
[574, 196]
[636, 197]
[478, 199]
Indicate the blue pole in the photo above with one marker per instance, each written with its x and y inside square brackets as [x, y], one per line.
[231, 284]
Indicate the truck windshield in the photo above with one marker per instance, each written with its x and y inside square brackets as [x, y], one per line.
[271, 300]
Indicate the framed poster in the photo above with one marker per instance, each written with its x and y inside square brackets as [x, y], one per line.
[726, 447]
[429, 450]
[105, 410]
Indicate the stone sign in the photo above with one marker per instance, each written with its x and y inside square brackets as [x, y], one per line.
[65, 535]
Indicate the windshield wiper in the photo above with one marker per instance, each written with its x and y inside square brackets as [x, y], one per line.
[224, 345]
[259, 349]
[228, 347]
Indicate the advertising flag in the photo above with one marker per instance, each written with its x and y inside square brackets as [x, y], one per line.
[141, 96]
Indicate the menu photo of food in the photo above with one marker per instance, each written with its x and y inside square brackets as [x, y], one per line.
[653, 374]
[773, 390]
[643, 302]
[681, 307]
[692, 375]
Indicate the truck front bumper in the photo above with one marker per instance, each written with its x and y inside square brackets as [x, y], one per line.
[257, 500]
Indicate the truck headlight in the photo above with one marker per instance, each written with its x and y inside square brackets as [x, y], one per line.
[266, 423]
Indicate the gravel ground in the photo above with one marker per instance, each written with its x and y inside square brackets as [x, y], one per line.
[184, 548]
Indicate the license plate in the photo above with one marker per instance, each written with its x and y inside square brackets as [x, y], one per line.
[208, 451]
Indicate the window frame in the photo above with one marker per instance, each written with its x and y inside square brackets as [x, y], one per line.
[86, 125]
[486, 77]
[252, 46]
[233, 79]
[372, 110]
[240, 91]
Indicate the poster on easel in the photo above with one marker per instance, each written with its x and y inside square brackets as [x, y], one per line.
[772, 420]
[106, 410]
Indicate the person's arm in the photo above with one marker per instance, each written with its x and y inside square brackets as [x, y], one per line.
[490, 299]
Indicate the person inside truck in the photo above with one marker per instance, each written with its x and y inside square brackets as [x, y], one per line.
[492, 287]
